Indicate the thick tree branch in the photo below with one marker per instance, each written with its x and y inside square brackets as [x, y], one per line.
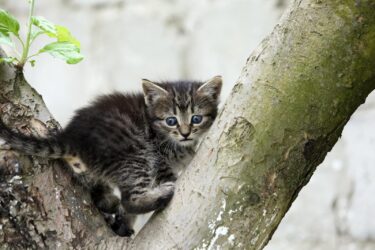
[287, 110]
[40, 206]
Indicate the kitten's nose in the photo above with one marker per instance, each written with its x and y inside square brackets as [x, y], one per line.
[184, 131]
[185, 135]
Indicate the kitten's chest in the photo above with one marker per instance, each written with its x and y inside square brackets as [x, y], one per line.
[178, 160]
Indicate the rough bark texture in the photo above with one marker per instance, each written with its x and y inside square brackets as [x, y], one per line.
[287, 110]
[40, 204]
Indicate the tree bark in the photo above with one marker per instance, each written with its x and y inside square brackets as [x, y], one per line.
[286, 111]
[41, 205]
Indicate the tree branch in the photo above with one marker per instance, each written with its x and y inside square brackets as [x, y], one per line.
[41, 206]
[287, 110]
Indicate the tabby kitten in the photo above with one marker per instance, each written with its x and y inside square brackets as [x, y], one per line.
[129, 148]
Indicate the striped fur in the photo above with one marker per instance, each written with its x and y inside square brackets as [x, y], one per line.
[124, 148]
[43, 147]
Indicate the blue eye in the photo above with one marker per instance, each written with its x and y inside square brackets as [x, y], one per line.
[171, 121]
[196, 119]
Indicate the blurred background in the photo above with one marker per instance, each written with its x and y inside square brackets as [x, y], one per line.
[126, 40]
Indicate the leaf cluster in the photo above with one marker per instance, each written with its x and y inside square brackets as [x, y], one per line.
[64, 46]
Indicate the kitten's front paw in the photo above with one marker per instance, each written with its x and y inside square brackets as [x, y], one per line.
[167, 189]
[167, 186]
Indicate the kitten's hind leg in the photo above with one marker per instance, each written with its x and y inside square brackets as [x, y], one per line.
[106, 198]
[123, 223]
[149, 199]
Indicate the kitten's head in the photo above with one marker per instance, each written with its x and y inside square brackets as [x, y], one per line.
[182, 111]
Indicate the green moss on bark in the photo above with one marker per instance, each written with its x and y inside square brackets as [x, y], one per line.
[312, 74]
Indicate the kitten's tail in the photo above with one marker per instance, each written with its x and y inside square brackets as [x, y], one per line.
[31, 145]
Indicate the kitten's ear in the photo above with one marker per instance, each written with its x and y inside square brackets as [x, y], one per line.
[211, 88]
[152, 91]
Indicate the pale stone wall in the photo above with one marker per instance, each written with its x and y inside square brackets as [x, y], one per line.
[124, 41]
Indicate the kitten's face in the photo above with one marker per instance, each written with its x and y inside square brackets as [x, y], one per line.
[183, 111]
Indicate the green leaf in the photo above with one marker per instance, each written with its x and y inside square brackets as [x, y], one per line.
[64, 35]
[32, 62]
[45, 25]
[5, 39]
[3, 30]
[8, 23]
[67, 51]
[7, 59]
[61, 33]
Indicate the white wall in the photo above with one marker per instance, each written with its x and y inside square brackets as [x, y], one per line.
[124, 41]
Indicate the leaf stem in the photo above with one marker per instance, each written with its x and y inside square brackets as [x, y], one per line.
[21, 42]
[34, 37]
[33, 55]
[17, 53]
[27, 44]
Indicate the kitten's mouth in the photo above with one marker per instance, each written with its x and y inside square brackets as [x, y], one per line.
[186, 140]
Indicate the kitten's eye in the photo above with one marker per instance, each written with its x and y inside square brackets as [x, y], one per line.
[196, 119]
[171, 121]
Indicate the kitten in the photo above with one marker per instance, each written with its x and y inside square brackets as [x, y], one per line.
[130, 147]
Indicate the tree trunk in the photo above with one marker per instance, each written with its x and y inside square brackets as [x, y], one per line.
[287, 110]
